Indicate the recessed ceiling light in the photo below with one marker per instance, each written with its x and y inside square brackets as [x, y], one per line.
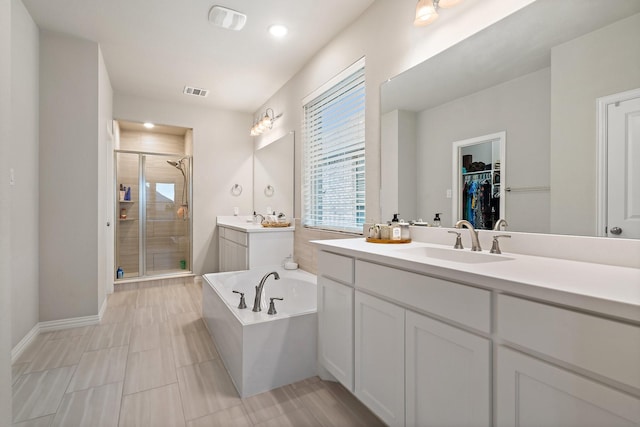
[149, 125]
[278, 30]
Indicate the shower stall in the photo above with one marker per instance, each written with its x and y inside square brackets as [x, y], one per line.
[153, 230]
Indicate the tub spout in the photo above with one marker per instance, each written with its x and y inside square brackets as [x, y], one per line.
[258, 299]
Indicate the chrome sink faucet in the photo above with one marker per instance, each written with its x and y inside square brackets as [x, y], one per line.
[258, 299]
[475, 243]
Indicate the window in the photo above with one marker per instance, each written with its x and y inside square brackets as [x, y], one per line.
[333, 153]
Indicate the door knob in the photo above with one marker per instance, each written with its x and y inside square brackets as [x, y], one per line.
[616, 230]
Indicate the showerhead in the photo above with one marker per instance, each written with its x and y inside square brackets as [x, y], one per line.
[174, 164]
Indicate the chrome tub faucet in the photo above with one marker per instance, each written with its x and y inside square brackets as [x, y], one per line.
[258, 299]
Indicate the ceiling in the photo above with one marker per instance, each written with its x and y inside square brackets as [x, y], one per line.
[153, 48]
[489, 58]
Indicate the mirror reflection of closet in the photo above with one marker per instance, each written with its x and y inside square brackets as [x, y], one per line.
[478, 180]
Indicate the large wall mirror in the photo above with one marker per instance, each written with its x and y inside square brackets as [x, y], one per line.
[273, 176]
[536, 75]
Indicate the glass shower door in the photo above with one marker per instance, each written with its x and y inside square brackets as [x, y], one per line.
[127, 243]
[167, 216]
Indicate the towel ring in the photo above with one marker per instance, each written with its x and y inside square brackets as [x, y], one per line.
[236, 190]
[269, 190]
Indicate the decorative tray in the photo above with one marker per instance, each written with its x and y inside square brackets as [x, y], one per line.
[372, 240]
[276, 224]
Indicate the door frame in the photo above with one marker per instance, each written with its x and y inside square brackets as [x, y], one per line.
[602, 105]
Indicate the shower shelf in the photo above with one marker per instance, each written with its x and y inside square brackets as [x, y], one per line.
[126, 201]
[127, 219]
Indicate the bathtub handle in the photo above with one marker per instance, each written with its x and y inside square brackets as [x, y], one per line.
[272, 305]
[242, 304]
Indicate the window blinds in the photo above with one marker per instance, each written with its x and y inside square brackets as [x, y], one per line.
[333, 156]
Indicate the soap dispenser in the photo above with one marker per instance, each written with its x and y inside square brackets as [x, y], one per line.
[436, 220]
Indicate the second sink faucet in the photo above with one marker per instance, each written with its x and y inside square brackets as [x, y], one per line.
[257, 306]
[499, 223]
[475, 242]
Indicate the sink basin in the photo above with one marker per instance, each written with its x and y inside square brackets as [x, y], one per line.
[455, 255]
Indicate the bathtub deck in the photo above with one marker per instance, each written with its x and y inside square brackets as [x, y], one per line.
[159, 357]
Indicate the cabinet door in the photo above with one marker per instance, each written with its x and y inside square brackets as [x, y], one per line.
[238, 257]
[379, 357]
[537, 394]
[335, 330]
[448, 375]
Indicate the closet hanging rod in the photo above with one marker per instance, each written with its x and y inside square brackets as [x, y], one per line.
[523, 189]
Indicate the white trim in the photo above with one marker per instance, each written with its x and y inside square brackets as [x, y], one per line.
[602, 105]
[103, 308]
[456, 211]
[334, 80]
[55, 325]
[17, 351]
[75, 322]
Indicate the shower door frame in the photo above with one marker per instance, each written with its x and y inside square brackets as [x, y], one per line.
[142, 212]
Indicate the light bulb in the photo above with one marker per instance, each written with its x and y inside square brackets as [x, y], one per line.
[445, 4]
[425, 13]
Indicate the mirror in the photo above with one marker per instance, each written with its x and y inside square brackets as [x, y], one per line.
[273, 176]
[536, 75]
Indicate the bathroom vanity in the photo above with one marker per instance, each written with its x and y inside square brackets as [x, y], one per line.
[243, 245]
[424, 334]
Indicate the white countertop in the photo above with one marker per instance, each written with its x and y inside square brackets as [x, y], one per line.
[606, 289]
[245, 223]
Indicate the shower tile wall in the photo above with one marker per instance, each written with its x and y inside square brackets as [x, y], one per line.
[167, 235]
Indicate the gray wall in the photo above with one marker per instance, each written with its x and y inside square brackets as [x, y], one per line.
[69, 154]
[23, 159]
[583, 70]
[222, 157]
[524, 114]
[5, 276]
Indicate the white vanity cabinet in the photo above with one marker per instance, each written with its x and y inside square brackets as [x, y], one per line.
[243, 246]
[233, 250]
[379, 357]
[448, 375]
[533, 392]
[335, 316]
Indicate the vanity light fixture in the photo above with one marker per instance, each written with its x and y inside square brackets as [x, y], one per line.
[264, 122]
[149, 125]
[427, 10]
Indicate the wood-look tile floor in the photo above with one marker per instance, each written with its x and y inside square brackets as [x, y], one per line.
[151, 362]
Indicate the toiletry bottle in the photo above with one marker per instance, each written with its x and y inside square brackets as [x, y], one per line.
[395, 218]
[436, 220]
[127, 195]
[119, 273]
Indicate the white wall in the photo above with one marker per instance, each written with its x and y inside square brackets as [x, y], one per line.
[521, 108]
[69, 209]
[24, 160]
[583, 70]
[222, 157]
[5, 275]
[105, 182]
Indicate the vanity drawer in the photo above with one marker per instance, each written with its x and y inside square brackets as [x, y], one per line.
[337, 267]
[460, 303]
[602, 346]
[235, 236]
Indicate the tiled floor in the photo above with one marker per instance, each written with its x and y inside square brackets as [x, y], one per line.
[151, 362]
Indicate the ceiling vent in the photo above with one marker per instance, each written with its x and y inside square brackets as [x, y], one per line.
[228, 19]
[190, 90]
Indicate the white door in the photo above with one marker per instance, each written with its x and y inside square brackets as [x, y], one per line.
[335, 329]
[448, 375]
[532, 393]
[623, 168]
[379, 357]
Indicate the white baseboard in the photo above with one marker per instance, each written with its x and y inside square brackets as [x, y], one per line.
[24, 343]
[55, 325]
[103, 307]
